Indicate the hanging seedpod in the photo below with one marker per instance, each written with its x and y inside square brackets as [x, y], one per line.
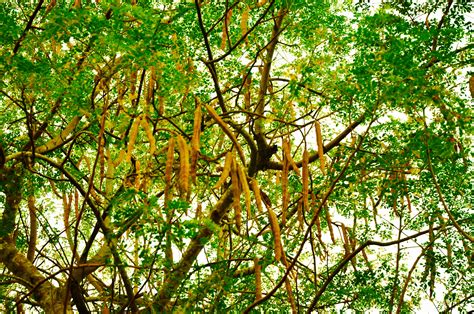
[245, 189]
[225, 29]
[305, 180]
[184, 165]
[258, 197]
[225, 170]
[319, 139]
[169, 168]
[149, 134]
[243, 22]
[287, 152]
[329, 221]
[299, 214]
[258, 278]
[195, 141]
[284, 187]
[278, 250]
[132, 137]
[236, 194]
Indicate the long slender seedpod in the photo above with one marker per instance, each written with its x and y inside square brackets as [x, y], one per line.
[169, 168]
[243, 22]
[258, 197]
[329, 221]
[195, 139]
[151, 85]
[139, 176]
[225, 170]
[225, 28]
[227, 131]
[319, 139]
[121, 157]
[149, 134]
[299, 213]
[318, 228]
[133, 85]
[59, 140]
[284, 188]
[305, 179]
[132, 137]
[258, 278]
[236, 194]
[198, 213]
[184, 165]
[246, 189]
[287, 151]
[276, 233]
[161, 105]
[291, 298]
[347, 245]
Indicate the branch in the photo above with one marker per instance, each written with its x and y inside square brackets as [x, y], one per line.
[232, 48]
[265, 76]
[343, 263]
[28, 27]
[279, 166]
[281, 79]
[44, 292]
[60, 139]
[445, 206]
[308, 230]
[174, 279]
[227, 131]
[210, 66]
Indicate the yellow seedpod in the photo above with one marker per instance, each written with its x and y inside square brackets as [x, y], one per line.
[226, 170]
[245, 188]
[258, 197]
[226, 130]
[276, 234]
[305, 179]
[284, 188]
[169, 167]
[258, 279]
[286, 150]
[149, 134]
[236, 193]
[329, 221]
[195, 141]
[132, 137]
[319, 139]
[184, 164]
[244, 20]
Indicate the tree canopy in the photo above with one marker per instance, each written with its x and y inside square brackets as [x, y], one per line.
[235, 156]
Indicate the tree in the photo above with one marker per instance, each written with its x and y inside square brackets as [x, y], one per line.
[284, 155]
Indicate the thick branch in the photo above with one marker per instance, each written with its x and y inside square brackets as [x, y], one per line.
[181, 269]
[265, 76]
[279, 166]
[47, 295]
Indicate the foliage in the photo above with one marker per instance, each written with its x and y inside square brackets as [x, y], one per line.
[278, 155]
